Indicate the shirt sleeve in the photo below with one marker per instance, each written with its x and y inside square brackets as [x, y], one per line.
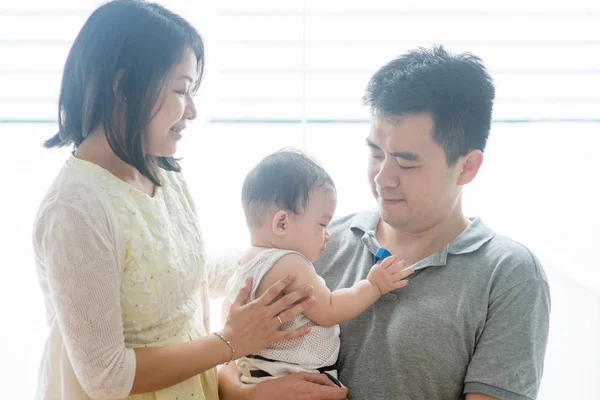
[509, 355]
[75, 244]
[220, 269]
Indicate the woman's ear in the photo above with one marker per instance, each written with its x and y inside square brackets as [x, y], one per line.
[280, 223]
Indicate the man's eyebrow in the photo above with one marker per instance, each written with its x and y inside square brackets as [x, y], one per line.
[405, 155]
[372, 145]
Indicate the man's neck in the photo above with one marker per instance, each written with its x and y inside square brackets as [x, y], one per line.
[414, 246]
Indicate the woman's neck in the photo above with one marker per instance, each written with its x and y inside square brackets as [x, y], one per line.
[95, 149]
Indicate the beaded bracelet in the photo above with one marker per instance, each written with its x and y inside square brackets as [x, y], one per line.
[217, 334]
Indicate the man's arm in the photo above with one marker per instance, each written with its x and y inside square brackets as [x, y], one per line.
[479, 396]
[297, 386]
[231, 386]
[508, 360]
[331, 308]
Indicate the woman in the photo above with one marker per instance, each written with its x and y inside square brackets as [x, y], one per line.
[118, 249]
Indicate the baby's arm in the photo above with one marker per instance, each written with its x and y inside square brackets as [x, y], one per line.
[331, 308]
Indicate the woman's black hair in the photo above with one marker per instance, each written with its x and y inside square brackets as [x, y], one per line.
[123, 54]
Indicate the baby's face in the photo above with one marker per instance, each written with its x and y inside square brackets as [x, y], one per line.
[309, 232]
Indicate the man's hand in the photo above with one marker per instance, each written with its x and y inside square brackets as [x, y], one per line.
[299, 386]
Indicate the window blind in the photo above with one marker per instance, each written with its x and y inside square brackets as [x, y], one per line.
[309, 61]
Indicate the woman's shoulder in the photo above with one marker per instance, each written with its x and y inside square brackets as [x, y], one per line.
[75, 188]
[76, 202]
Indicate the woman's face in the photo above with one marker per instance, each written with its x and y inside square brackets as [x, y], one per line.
[174, 107]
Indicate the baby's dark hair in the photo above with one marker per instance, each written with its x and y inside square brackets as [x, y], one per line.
[284, 179]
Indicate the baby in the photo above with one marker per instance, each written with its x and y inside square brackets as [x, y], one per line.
[289, 200]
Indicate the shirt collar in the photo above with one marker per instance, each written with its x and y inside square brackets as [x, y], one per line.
[471, 239]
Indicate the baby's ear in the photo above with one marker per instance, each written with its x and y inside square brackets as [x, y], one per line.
[280, 223]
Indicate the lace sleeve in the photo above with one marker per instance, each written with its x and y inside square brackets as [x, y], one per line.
[219, 270]
[75, 245]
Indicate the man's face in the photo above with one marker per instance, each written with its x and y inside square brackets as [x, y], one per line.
[408, 174]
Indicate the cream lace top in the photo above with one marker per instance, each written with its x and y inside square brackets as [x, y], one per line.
[119, 269]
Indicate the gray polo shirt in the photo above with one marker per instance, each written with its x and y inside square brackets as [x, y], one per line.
[474, 318]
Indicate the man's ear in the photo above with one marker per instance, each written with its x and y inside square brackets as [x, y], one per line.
[469, 166]
[280, 223]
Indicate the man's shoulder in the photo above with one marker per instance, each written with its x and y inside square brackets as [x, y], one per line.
[512, 263]
[510, 251]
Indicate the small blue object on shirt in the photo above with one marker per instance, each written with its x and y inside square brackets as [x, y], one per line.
[381, 254]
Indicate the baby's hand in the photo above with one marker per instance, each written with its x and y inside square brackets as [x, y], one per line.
[389, 275]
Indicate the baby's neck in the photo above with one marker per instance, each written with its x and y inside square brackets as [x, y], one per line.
[262, 239]
[259, 243]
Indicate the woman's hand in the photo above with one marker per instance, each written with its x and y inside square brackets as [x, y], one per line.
[253, 326]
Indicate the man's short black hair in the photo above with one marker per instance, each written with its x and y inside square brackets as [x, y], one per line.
[456, 90]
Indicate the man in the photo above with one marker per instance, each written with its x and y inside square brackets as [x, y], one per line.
[473, 321]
